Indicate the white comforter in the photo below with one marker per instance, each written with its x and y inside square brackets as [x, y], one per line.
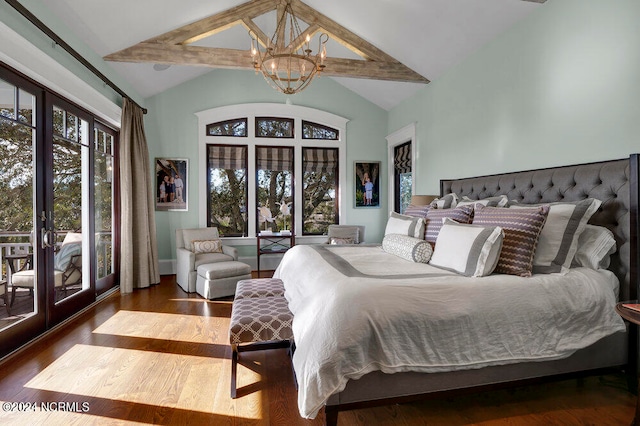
[359, 309]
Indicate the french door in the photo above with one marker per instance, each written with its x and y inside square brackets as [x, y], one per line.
[58, 215]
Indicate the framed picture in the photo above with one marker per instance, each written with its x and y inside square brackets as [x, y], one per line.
[367, 184]
[171, 184]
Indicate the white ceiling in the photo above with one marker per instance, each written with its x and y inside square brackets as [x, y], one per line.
[428, 36]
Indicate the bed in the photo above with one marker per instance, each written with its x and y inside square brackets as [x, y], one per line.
[335, 292]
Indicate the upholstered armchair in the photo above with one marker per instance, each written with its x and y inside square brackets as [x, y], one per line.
[187, 260]
[346, 234]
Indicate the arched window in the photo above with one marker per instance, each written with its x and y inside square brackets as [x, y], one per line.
[286, 174]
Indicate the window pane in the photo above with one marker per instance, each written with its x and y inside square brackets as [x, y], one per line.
[269, 127]
[405, 191]
[7, 100]
[318, 131]
[320, 186]
[72, 127]
[26, 108]
[227, 183]
[103, 184]
[58, 122]
[274, 169]
[237, 127]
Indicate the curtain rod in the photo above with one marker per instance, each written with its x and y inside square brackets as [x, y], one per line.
[53, 36]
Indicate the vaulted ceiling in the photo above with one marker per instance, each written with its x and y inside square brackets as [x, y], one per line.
[384, 50]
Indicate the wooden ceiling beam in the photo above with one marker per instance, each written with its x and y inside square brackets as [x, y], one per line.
[205, 27]
[241, 59]
[339, 33]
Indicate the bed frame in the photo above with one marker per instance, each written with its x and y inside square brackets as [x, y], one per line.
[615, 183]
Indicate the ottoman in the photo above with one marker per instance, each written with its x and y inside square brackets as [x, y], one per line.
[219, 279]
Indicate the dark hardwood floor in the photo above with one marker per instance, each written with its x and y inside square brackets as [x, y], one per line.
[161, 356]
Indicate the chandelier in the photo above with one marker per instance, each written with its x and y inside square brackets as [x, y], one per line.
[286, 60]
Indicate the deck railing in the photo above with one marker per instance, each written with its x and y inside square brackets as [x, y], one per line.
[12, 243]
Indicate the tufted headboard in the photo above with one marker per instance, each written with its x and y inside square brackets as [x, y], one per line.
[614, 182]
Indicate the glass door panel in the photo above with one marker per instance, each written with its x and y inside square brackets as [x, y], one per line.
[20, 312]
[103, 185]
[69, 276]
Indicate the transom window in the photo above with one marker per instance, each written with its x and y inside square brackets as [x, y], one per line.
[270, 127]
[236, 127]
[318, 131]
[284, 176]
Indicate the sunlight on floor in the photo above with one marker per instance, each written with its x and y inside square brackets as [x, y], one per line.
[140, 377]
[177, 327]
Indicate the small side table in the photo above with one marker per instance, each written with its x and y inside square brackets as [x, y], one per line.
[633, 316]
[273, 244]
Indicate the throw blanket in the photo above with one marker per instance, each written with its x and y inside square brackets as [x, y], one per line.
[358, 309]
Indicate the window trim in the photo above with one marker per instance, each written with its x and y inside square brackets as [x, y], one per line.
[252, 110]
[399, 137]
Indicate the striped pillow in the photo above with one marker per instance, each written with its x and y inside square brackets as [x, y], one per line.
[521, 228]
[435, 217]
[63, 257]
[417, 211]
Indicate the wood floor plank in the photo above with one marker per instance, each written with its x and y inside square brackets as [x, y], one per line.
[161, 356]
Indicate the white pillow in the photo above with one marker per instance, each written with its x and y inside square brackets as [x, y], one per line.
[405, 225]
[470, 250]
[595, 247]
[558, 240]
[409, 248]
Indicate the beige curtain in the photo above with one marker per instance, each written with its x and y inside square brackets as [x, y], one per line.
[139, 249]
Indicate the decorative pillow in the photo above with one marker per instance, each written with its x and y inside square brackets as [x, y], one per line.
[448, 201]
[497, 201]
[417, 211]
[344, 232]
[341, 241]
[199, 234]
[595, 246]
[435, 217]
[72, 237]
[469, 250]
[409, 248]
[558, 241]
[405, 225]
[63, 257]
[206, 246]
[521, 228]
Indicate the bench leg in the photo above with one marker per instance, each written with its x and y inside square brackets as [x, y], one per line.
[234, 369]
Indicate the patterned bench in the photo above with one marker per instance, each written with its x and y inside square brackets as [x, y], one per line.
[260, 319]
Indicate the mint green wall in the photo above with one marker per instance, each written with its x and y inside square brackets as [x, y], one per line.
[22, 26]
[560, 87]
[172, 131]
